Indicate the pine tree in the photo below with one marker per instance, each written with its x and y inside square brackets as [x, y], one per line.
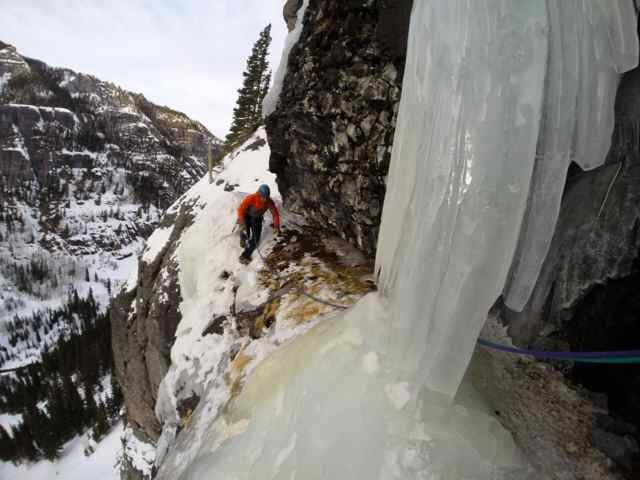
[75, 408]
[247, 115]
[114, 402]
[91, 408]
[101, 425]
[7, 446]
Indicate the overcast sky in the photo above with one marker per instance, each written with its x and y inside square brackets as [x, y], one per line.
[186, 54]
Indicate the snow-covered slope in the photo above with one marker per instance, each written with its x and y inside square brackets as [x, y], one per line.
[231, 316]
[74, 464]
[291, 397]
[207, 249]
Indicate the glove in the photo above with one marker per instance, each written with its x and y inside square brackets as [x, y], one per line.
[276, 229]
[241, 226]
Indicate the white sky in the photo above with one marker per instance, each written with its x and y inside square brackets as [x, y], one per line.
[186, 54]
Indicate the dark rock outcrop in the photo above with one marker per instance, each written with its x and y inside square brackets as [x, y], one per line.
[31, 142]
[332, 131]
[289, 12]
[144, 320]
[58, 114]
[69, 138]
[551, 422]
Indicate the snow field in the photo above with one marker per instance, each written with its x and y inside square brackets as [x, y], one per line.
[74, 465]
[8, 420]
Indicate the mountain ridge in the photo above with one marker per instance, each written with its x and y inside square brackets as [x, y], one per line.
[87, 169]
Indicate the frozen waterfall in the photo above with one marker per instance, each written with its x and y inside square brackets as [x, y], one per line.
[591, 43]
[498, 97]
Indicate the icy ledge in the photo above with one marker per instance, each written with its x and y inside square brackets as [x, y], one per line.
[330, 406]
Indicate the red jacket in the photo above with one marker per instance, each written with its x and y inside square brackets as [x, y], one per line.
[254, 206]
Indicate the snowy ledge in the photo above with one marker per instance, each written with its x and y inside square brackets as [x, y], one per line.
[215, 350]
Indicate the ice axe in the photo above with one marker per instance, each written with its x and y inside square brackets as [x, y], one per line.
[232, 232]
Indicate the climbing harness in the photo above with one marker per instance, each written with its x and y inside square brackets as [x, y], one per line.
[628, 357]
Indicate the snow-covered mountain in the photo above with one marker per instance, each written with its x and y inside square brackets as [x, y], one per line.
[86, 170]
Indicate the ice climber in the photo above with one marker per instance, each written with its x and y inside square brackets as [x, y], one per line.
[250, 213]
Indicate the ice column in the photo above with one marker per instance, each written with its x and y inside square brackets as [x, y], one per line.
[461, 166]
[498, 98]
[590, 44]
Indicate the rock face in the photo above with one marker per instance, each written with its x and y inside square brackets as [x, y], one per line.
[332, 131]
[551, 422]
[85, 170]
[144, 318]
[289, 12]
[67, 119]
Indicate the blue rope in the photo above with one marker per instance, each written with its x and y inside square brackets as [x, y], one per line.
[608, 357]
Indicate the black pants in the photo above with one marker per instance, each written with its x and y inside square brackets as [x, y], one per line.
[253, 231]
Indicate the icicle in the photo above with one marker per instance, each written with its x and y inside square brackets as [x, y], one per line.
[590, 43]
[461, 166]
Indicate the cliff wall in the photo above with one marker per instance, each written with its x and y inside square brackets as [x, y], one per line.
[332, 131]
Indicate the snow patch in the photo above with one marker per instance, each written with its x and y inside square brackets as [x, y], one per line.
[18, 142]
[8, 420]
[74, 464]
[156, 243]
[272, 98]
[4, 79]
[140, 454]
[370, 363]
[398, 394]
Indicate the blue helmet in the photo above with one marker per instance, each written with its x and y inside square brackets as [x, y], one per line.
[264, 191]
